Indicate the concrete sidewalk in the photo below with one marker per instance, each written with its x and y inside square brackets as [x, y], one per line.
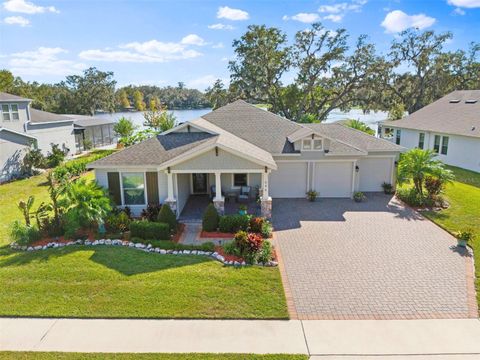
[329, 339]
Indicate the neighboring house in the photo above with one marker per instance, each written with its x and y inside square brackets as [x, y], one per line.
[92, 132]
[241, 145]
[449, 126]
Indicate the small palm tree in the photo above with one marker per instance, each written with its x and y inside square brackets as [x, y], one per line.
[25, 207]
[360, 125]
[416, 164]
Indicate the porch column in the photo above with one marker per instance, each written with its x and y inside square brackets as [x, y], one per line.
[170, 201]
[265, 200]
[219, 201]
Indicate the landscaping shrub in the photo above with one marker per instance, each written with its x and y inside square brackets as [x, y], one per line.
[234, 223]
[150, 230]
[434, 186]
[230, 248]
[78, 166]
[117, 222]
[248, 245]
[387, 188]
[412, 198]
[266, 229]
[24, 235]
[56, 155]
[256, 224]
[170, 245]
[210, 218]
[151, 212]
[167, 216]
[265, 253]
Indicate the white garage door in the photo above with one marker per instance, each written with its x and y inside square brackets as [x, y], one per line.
[373, 173]
[333, 179]
[289, 180]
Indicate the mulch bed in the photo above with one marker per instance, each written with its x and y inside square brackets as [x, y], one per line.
[228, 257]
[216, 235]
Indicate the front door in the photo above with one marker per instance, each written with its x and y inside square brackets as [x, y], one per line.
[199, 183]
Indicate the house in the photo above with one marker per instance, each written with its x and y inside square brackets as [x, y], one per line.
[449, 126]
[92, 132]
[238, 146]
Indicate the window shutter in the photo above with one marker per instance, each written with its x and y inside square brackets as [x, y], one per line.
[152, 187]
[114, 187]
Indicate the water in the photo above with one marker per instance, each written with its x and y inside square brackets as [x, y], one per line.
[186, 115]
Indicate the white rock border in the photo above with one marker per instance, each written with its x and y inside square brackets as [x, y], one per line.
[137, 246]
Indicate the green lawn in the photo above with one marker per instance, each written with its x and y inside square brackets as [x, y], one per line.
[12, 193]
[118, 282]
[107, 356]
[464, 211]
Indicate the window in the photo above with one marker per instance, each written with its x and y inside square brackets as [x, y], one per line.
[388, 133]
[307, 144]
[6, 112]
[436, 143]
[240, 180]
[421, 140]
[398, 136]
[14, 111]
[317, 144]
[133, 188]
[444, 145]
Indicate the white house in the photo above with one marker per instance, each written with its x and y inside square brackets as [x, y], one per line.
[450, 126]
[241, 150]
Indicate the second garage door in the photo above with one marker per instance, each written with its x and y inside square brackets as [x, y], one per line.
[333, 179]
[289, 180]
[373, 173]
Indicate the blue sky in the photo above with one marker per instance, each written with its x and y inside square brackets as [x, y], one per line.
[164, 42]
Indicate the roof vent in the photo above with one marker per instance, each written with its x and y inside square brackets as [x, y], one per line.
[454, 101]
[473, 128]
[470, 101]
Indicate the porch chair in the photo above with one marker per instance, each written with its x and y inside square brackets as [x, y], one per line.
[244, 195]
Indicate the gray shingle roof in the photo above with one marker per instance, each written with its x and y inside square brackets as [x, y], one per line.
[446, 116]
[9, 97]
[86, 121]
[156, 150]
[259, 127]
[39, 116]
[355, 138]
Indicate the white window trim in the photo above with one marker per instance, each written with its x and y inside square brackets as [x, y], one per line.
[233, 179]
[441, 144]
[311, 144]
[144, 188]
[11, 112]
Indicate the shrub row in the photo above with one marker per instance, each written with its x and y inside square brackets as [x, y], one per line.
[234, 223]
[78, 166]
[150, 230]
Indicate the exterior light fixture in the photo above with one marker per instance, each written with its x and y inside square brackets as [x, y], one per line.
[357, 169]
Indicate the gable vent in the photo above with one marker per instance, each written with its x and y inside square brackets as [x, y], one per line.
[454, 101]
[470, 101]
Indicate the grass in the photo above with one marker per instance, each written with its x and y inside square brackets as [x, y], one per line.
[118, 282]
[11, 193]
[110, 356]
[464, 211]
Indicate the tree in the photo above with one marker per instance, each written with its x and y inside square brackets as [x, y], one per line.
[359, 125]
[138, 102]
[122, 99]
[416, 164]
[396, 112]
[159, 119]
[217, 95]
[124, 127]
[56, 188]
[33, 159]
[25, 207]
[93, 91]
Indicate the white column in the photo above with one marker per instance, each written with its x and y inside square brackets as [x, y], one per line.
[218, 186]
[170, 196]
[265, 195]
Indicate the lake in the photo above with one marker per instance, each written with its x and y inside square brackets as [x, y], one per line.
[186, 115]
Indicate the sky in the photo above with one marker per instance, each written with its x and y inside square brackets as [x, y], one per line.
[165, 42]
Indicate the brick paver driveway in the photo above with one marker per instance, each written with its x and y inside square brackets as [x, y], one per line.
[373, 260]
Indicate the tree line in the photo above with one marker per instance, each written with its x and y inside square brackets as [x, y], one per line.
[95, 91]
[327, 73]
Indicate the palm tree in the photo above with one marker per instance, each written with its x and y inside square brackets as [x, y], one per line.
[25, 207]
[416, 164]
[360, 125]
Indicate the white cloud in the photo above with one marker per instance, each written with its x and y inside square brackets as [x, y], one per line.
[221, 26]
[16, 20]
[205, 81]
[153, 51]
[225, 58]
[218, 46]
[193, 39]
[23, 6]
[459, 11]
[306, 18]
[225, 12]
[43, 61]
[470, 4]
[336, 12]
[397, 21]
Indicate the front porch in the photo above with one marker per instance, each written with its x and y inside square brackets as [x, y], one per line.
[196, 205]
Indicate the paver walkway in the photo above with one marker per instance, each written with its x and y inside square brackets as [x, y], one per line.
[353, 338]
[371, 260]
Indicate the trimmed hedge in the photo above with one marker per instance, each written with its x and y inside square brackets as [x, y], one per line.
[150, 230]
[170, 245]
[210, 218]
[234, 223]
[78, 166]
[167, 216]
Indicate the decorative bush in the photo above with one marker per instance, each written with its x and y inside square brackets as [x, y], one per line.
[266, 229]
[465, 235]
[265, 253]
[434, 186]
[412, 198]
[24, 235]
[210, 218]
[234, 223]
[167, 216]
[150, 230]
[248, 245]
[387, 188]
[118, 222]
[312, 195]
[359, 196]
[151, 212]
[56, 155]
[256, 224]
